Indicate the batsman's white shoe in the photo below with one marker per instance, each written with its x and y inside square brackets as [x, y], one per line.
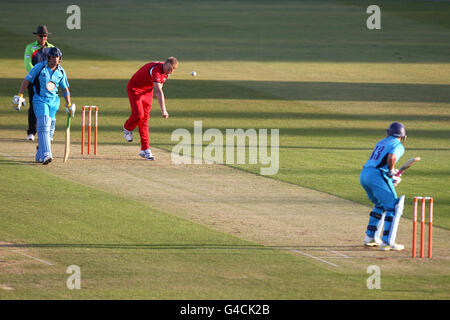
[30, 137]
[47, 160]
[371, 242]
[396, 247]
[128, 135]
[147, 154]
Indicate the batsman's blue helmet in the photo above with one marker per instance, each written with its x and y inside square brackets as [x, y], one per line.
[396, 129]
[54, 52]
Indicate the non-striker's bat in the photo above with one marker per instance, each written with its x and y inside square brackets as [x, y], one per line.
[67, 147]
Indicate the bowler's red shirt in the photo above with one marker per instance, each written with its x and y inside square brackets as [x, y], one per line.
[142, 80]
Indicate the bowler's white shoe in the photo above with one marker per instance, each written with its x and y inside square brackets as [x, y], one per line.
[147, 154]
[396, 247]
[128, 135]
[371, 242]
[30, 137]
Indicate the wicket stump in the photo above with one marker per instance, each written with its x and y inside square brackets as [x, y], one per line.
[83, 123]
[422, 226]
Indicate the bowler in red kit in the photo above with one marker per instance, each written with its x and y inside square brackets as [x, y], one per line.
[148, 80]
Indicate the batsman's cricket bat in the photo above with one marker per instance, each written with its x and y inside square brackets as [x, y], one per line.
[67, 148]
[407, 165]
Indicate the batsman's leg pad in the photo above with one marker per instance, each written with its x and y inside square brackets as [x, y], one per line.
[52, 128]
[377, 236]
[391, 222]
[38, 154]
[375, 222]
[387, 225]
[396, 220]
[43, 131]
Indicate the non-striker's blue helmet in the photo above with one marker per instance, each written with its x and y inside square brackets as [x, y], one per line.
[54, 52]
[396, 129]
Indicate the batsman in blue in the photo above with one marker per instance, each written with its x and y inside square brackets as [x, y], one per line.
[379, 179]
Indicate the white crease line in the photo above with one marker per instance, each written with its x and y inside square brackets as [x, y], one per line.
[34, 258]
[6, 155]
[340, 253]
[335, 257]
[317, 258]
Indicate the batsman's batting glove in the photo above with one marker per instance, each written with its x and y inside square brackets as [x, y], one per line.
[71, 109]
[18, 101]
[392, 173]
[397, 180]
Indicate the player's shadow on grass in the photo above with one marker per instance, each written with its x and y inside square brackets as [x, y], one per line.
[15, 162]
[10, 162]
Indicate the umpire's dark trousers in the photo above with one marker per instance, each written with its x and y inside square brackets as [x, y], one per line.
[31, 115]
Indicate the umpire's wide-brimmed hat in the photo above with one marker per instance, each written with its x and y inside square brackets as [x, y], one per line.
[42, 30]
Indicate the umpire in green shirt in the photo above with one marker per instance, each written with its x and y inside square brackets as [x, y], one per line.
[34, 53]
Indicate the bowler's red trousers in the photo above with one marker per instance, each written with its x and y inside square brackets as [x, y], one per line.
[141, 104]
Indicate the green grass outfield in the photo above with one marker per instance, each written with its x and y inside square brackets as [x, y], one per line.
[127, 250]
[308, 68]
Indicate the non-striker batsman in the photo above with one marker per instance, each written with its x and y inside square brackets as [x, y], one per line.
[46, 77]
